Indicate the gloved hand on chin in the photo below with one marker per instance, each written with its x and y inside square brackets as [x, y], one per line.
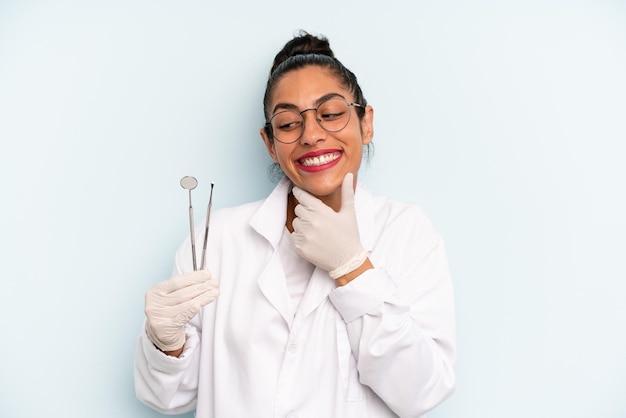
[326, 238]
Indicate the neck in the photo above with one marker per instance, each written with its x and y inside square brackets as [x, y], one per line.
[291, 211]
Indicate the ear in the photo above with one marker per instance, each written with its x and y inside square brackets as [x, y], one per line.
[367, 125]
[268, 144]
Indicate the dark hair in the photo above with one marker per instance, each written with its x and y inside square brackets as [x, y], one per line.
[307, 50]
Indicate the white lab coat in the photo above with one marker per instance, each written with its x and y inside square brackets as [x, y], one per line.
[381, 346]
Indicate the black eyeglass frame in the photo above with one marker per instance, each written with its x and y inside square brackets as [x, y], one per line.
[268, 125]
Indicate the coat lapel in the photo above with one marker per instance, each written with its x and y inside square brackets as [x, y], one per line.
[273, 284]
[317, 291]
[269, 222]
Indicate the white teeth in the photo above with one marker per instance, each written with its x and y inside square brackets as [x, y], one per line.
[320, 159]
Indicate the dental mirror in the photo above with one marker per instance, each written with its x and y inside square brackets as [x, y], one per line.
[190, 183]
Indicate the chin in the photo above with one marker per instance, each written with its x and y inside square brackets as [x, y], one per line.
[322, 191]
[320, 185]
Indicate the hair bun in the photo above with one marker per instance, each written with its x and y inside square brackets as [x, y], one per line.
[304, 43]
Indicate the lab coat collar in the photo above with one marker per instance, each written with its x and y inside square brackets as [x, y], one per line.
[270, 218]
[269, 222]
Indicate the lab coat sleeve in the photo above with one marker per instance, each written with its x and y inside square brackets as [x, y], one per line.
[165, 383]
[400, 322]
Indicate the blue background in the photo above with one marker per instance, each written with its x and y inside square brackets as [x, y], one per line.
[504, 120]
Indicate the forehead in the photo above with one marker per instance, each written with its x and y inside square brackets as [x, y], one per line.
[302, 87]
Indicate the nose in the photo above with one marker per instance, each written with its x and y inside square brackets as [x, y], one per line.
[313, 131]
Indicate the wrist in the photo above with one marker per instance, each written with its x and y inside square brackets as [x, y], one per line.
[175, 346]
[352, 264]
[348, 277]
[175, 353]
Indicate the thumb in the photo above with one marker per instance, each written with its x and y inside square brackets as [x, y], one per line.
[347, 191]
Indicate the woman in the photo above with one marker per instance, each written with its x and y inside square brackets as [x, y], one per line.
[332, 302]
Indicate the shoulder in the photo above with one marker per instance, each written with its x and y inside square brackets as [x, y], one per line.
[386, 219]
[236, 213]
[228, 227]
[390, 211]
[234, 218]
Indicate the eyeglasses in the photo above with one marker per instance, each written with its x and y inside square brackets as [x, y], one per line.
[333, 115]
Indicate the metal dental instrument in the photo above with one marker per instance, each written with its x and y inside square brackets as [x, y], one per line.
[206, 227]
[190, 183]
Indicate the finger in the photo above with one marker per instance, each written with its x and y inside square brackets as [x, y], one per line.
[190, 292]
[193, 306]
[305, 198]
[203, 298]
[182, 281]
[183, 317]
[207, 297]
[302, 211]
[298, 224]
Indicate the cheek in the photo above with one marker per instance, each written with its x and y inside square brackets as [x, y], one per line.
[281, 154]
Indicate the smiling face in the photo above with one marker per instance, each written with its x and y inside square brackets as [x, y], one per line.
[319, 160]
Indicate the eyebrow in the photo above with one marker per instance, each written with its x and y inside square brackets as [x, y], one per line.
[291, 106]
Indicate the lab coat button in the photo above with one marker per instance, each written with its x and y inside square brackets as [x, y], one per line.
[292, 348]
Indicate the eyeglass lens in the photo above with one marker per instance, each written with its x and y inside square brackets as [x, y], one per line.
[288, 125]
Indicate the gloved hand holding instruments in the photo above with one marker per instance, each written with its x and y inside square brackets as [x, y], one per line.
[171, 304]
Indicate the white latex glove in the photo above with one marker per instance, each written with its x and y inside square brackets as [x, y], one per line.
[326, 238]
[171, 304]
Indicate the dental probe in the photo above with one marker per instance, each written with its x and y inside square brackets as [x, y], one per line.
[206, 227]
